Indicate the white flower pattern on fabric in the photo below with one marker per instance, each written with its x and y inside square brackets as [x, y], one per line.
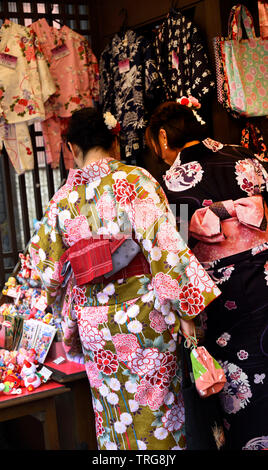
[183, 176]
[236, 393]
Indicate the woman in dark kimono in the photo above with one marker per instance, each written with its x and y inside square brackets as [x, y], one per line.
[224, 190]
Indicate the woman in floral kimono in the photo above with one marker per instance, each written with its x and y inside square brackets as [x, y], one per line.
[111, 216]
[223, 190]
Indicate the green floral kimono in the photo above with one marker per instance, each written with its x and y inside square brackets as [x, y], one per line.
[127, 329]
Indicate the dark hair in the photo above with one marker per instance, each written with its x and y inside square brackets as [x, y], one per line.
[87, 129]
[179, 123]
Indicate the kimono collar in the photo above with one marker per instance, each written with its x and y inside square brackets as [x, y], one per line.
[92, 172]
[196, 152]
[186, 170]
[124, 39]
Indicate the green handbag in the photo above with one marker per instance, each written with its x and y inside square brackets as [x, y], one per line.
[246, 63]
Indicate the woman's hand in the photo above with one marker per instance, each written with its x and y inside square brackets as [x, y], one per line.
[187, 329]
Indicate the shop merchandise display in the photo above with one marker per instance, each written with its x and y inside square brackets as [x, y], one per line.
[25, 86]
[252, 138]
[45, 75]
[242, 67]
[75, 71]
[134, 70]
[27, 329]
[182, 61]
[263, 18]
[128, 78]
[241, 74]
[18, 370]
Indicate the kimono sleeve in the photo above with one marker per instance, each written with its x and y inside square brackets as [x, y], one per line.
[177, 276]
[46, 249]
[106, 84]
[202, 81]
[48, 87]
[93, 67]
[264, 187]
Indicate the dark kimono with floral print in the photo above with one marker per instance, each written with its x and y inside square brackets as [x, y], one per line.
[128, 81]
[182, 60]
[221, 187]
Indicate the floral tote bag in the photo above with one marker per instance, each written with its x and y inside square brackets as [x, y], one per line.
[246, 62]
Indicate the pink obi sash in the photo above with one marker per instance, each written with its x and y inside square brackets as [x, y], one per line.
[229, 227]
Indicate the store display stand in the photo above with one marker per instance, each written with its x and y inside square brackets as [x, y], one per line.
[41, 401]
[74, 376]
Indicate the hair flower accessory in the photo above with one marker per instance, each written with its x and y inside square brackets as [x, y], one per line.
[112, 124]
[191, 102]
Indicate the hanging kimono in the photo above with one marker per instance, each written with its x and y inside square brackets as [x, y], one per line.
[225, 191]
[74, 69]
[263, 18]
[25, 86]
[128, 78]
[182, 61]
[127, 322]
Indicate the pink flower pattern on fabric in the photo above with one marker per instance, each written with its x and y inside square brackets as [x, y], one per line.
[144, 213]
[157, 321]
[91, 337]
[167, 238]
[79, 296]
[52, 214]
[93, 315]
[93, 374]
[76, 229]
[125, 345]
[106, 207]
[165, 287]
[99, 424]
[249, 176]
[148, 395]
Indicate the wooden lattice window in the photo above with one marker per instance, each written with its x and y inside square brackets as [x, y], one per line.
[23, 198]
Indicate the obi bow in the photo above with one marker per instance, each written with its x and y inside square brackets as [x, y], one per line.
[207, 223]
[91, 258]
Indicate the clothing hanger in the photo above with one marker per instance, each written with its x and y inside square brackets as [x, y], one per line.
[50, 7]
[58, 21]
[123, 12]
[174, 7]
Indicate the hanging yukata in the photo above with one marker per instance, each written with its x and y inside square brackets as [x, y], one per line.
[127, 322]
[74, 69]
[225, 190]
[128, 77]
[25, 86]
[182, 61]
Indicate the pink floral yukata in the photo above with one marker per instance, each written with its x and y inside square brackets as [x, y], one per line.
[75, 71]
[25, 86]
[127, 328]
